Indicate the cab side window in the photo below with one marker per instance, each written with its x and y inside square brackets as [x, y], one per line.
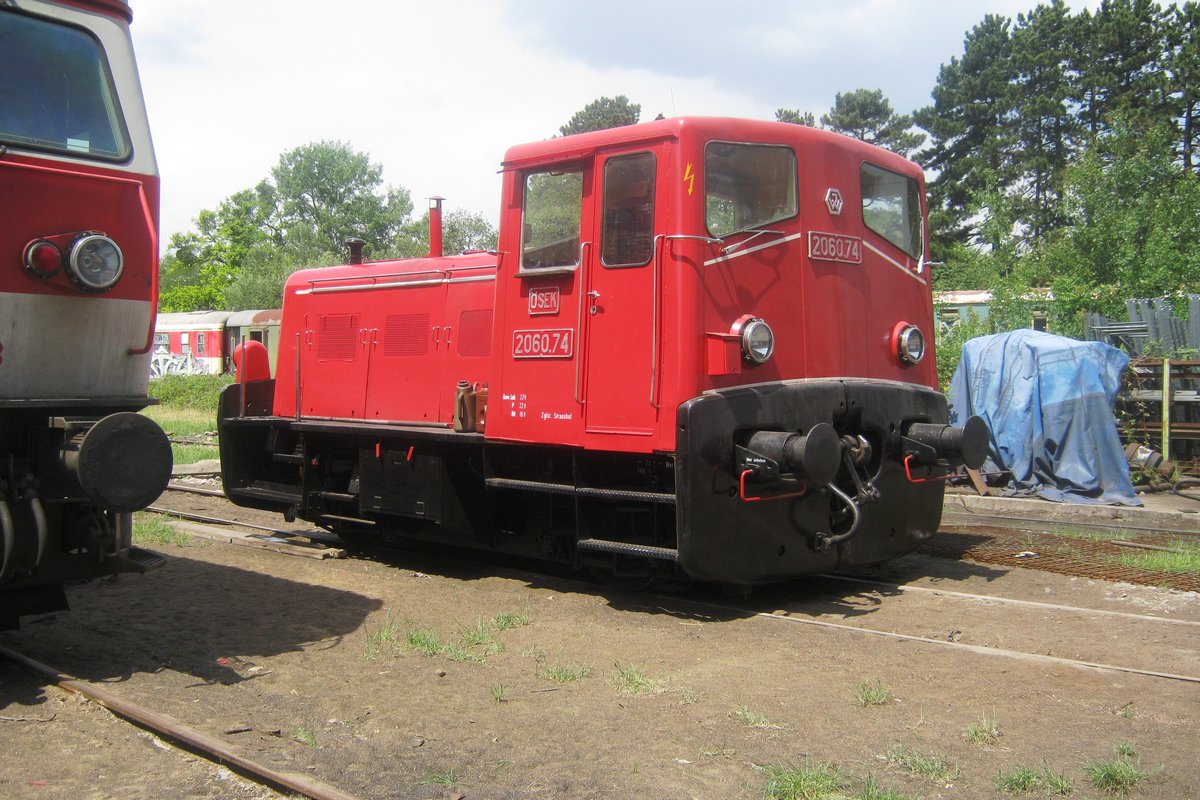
[550, 219]
[627, 235]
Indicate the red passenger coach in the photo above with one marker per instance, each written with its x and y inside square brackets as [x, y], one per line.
[701, 350]
[78, 289]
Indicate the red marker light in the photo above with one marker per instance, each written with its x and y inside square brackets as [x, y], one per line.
[43, 259]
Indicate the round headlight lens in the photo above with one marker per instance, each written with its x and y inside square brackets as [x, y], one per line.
[95, 263]
[910, 345]
[758, 341]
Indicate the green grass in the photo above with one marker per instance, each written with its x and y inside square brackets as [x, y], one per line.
[752, 718]
[1186, 562]
[499, 693]
[386, 640]
[191, 453]
[1116, 776]
[984, 731]
[932, 767]
[506, 620]
[633, 681]
[872, 694]
[820, 781]
[305, 736]
[813, 781]
[438, 778]
[154, 531]
[198, 392]
[1026, 780]
[422, 641]
[562, 673]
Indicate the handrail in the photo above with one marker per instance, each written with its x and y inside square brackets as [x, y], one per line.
[584, 272]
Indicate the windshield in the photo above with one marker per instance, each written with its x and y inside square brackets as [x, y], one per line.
[55, 90]
[747, 186]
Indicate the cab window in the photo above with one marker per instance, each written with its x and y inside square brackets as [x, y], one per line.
[627, 238]
[56, 92]
[748, 186]
[891, 206]
[550, 219]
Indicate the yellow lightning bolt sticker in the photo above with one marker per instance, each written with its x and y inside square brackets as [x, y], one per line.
[689, 178]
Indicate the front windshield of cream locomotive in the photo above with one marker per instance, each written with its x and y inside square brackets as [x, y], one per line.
[56, 92]
[747, 186]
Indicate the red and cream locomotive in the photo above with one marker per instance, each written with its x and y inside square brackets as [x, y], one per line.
[78, 289]
[702, 349]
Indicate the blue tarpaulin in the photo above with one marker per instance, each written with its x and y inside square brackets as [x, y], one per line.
[1047, 401]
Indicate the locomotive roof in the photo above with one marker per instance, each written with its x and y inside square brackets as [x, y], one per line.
[112, 8]
[582, 145]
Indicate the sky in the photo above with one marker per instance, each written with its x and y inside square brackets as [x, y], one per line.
[436, 91]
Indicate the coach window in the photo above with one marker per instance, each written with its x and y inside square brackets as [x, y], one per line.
[747, 186]
[185, 345]
[550, 220]
[627, 234]
[891, 205]
[56, 92]
[199, 344]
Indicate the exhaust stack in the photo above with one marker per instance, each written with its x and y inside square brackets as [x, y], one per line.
[435, 226]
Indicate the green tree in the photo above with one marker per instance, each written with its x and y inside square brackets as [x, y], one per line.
[328, 192]
[970, 136]
[1183, 67]
[318, 195]
[1132, 229]
[1044, 127]
[866, 114]
[606, 112]
[795, 117]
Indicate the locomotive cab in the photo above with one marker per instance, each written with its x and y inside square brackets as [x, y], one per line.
[707, 354]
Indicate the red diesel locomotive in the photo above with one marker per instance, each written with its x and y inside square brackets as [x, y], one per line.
[700, 350]
[78, 289]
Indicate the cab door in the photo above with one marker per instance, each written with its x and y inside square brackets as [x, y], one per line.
[621, 304]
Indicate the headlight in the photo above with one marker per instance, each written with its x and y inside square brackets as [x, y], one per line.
[910, 343]
[95, 262]
[758, 340]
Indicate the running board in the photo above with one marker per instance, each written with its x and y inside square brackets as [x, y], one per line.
[581, 491]
[628, 549]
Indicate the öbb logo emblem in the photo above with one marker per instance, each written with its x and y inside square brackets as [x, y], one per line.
[833, 201]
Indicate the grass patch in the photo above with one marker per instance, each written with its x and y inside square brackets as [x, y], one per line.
[499, 693]
[1027, 780]
[182, 421]
[820, 781]
[984, 731]
[1186, 562]
[918, 763]
[813, 781]
[422, 641]
[872, 694]
[384, 641]
[752, 718]
[304, 735]
[154, 531]
[1116, 776]
[198, 392]
[561, 673]
[506, 620]
[632, 681]
[191, 453]
[432, 778]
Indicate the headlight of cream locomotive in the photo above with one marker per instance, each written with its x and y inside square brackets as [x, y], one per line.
[758, 340]
[910, 344]
[95, 263]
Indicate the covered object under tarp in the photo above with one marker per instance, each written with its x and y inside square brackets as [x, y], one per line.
[1048, 402]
